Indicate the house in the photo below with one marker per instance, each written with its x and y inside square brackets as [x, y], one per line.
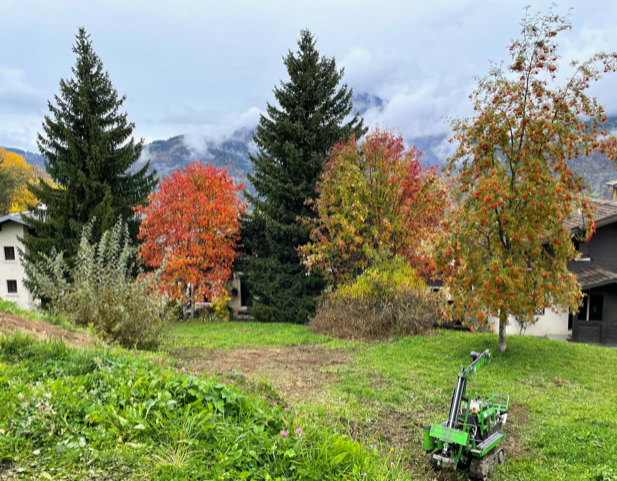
[596, 272]
[237, 304]
[12, 272]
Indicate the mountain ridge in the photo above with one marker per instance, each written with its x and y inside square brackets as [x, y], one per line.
[231, 152]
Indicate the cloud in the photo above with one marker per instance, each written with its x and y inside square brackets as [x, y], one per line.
[202, 127]
[190, 116]
[423, 112]
[376, 73]
[16, 96]
[19, 139]
[421, 56]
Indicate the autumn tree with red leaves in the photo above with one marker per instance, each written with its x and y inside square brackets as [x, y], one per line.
[193, 223]
[507, 247]
[375, 200]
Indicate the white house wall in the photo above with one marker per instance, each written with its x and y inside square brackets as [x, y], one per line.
[13, 270]
[551, 322]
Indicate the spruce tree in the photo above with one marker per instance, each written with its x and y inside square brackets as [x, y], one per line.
[89, 151]
[293, 143]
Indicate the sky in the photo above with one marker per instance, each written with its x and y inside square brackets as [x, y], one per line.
[208, 67]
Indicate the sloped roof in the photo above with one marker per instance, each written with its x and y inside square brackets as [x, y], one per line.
[606, 213]
[595, 276]
[15, 217]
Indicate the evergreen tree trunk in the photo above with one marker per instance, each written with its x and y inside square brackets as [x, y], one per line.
[503, 319]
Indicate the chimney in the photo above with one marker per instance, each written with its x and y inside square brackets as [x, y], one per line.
[612, 191]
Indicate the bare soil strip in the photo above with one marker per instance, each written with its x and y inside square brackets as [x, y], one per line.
[298, 373]
[42, 330]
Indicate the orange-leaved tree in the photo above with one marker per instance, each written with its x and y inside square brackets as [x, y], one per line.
[192, 223]
[375, 200]
[507, 247]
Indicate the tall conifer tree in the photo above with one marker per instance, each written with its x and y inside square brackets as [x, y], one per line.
[89, 151]
[293, 143]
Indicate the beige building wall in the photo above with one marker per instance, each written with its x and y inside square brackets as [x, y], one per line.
[12, 270]
[551, 322]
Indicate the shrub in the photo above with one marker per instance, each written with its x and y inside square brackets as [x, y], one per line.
[386, 300]
[523, 322]
[100, 290]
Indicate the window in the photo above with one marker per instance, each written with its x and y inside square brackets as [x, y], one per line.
[595, 308]
[9, 253]
[11, 287]
[539, 311]
[592, 308]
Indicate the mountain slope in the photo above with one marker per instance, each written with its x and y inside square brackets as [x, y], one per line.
[231, 152]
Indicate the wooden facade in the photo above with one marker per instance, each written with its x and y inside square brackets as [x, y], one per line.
[586, 328]
[596, 271]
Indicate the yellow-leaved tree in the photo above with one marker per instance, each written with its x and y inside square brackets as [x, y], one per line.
[18, 197]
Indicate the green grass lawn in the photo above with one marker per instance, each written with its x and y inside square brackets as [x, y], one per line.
[107, 414]
[562, 425]
[232, 335]
[563, 396]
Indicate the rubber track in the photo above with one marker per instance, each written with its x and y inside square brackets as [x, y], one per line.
[480, 467]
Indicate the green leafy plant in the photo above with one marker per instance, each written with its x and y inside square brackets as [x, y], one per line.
[79, 411]
[100, 291]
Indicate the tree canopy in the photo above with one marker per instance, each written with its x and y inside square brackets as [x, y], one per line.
[376, 201]
[507, 245]
[20, 175]
[293, 143]
[190, 226]
[89, 153]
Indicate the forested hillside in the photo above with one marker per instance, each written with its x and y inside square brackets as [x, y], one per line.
[231, 152]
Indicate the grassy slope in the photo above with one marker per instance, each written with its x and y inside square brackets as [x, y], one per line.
[109, 415]
[565, 394]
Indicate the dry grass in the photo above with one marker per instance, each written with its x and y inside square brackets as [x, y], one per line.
[406, 312]
[42, 330]
[299, 373]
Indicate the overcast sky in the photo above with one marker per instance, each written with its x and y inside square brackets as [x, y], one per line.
[209, 67]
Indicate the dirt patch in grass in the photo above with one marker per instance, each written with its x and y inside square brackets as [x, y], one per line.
[298, 373]
[399, 428]
[517, 419]
[6, 469]
[42, 330]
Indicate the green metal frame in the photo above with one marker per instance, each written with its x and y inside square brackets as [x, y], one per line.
[489, 447]
[458, 441]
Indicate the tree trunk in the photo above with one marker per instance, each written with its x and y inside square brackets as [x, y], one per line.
[193, 304]
[503, 318]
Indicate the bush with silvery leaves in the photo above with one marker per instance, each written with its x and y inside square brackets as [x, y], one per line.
[101, 291]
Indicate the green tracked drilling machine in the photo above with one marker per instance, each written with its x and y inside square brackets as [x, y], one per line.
[469, 439]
